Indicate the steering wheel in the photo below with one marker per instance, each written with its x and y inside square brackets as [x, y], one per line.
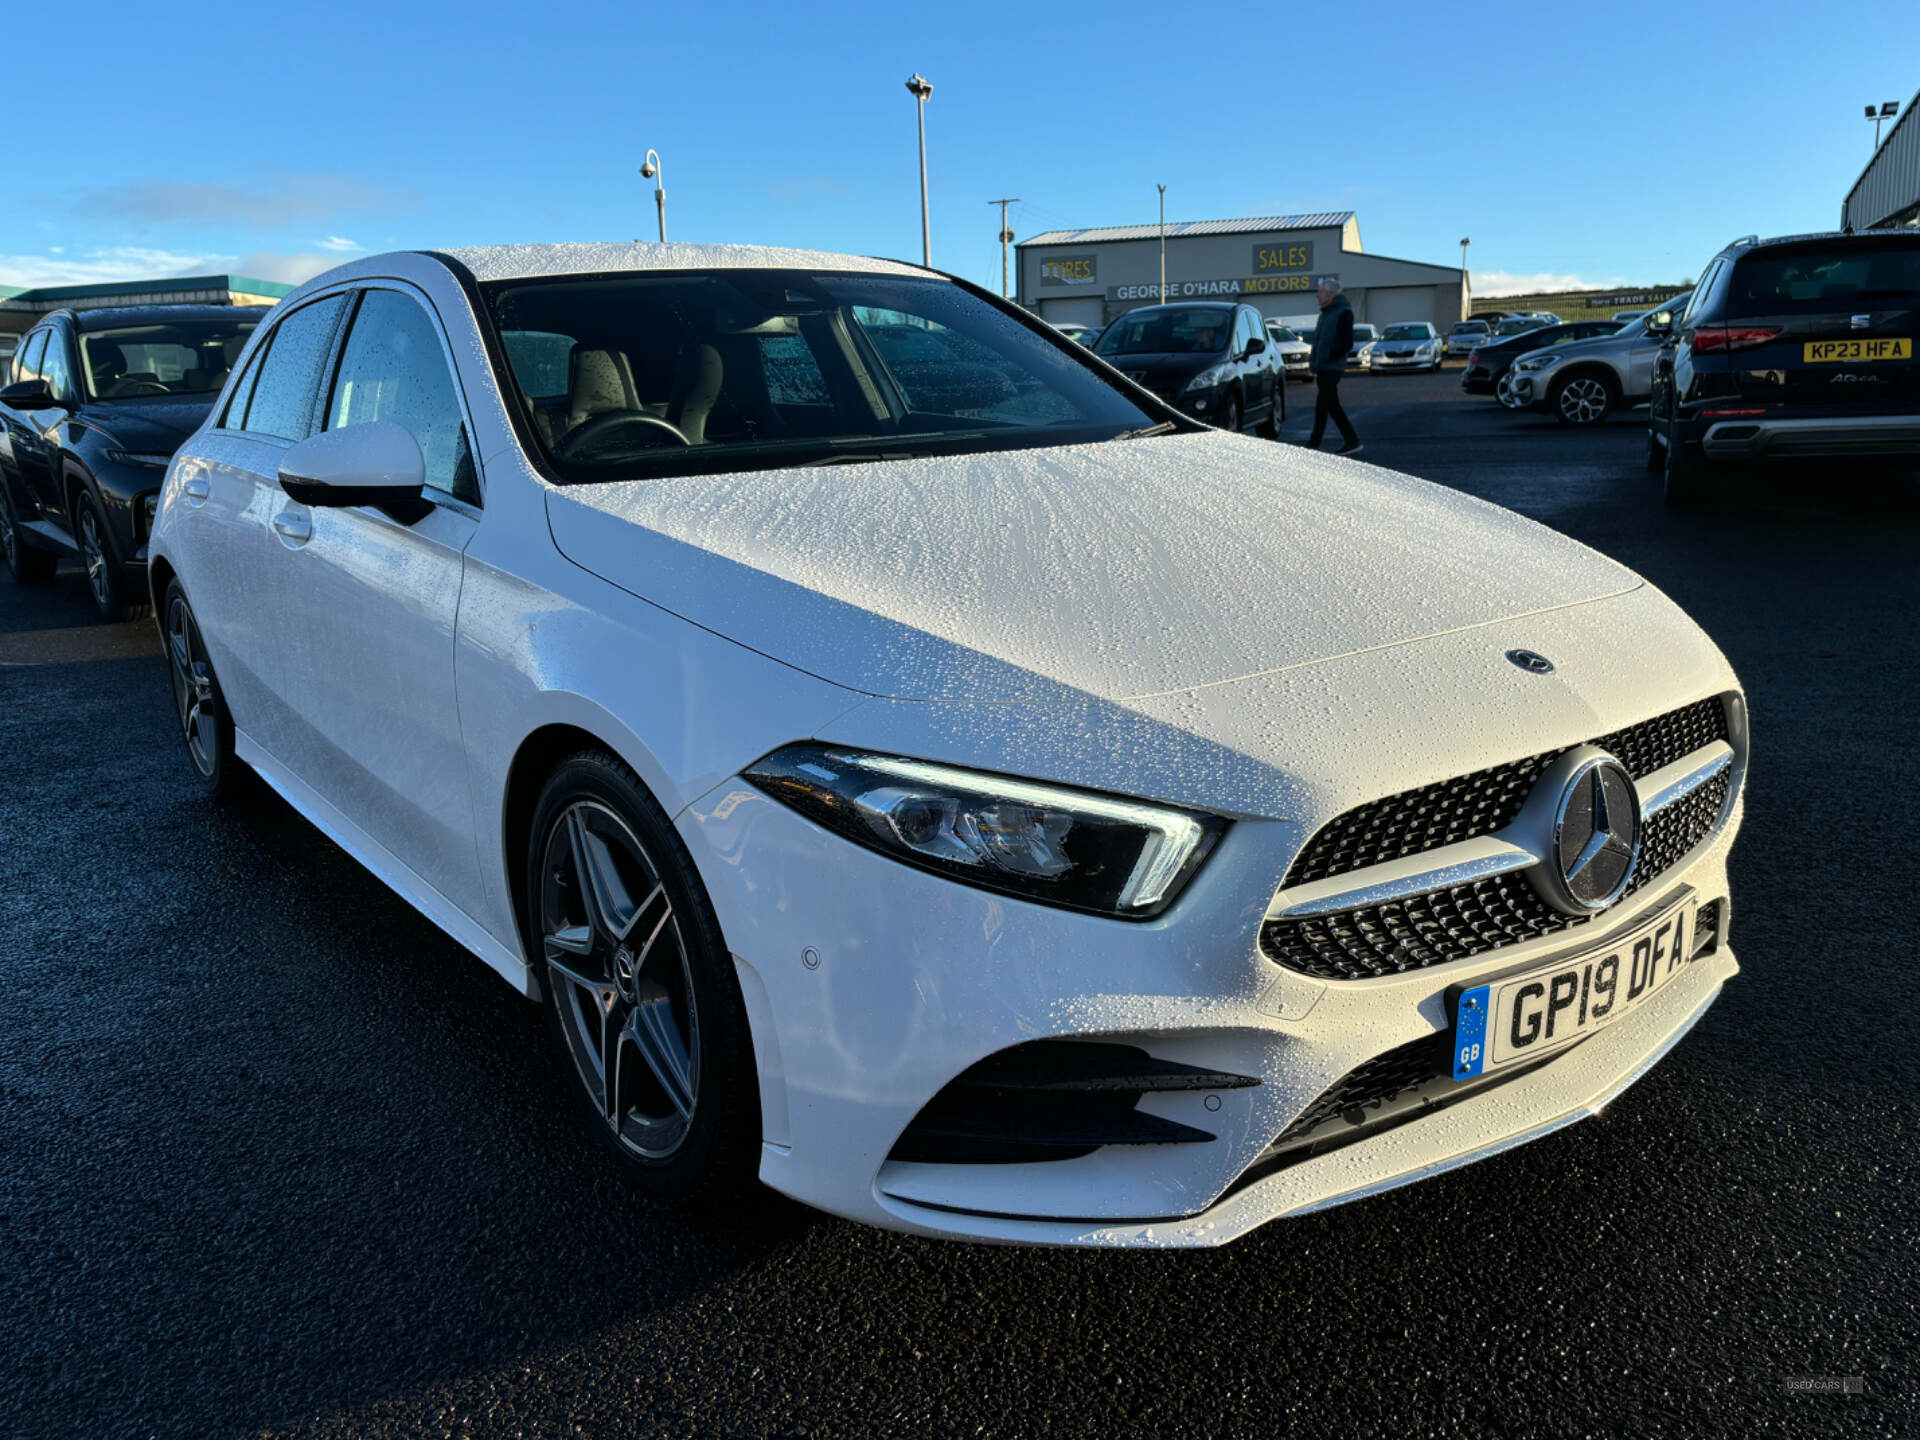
[580, 436]
[128, 388]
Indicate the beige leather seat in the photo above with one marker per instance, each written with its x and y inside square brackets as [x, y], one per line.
[697, 380]
[599, 382]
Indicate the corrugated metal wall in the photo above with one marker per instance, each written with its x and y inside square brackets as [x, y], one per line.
[1888, 190]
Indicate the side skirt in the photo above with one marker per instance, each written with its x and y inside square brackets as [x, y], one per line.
[387, 867]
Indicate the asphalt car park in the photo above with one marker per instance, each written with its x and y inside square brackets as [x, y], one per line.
[280, 1162]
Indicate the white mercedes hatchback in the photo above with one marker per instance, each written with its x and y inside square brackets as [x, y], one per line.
[912, 764]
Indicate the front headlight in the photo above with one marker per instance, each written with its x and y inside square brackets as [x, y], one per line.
[1537, 362]
[1213, 375]
[1070, 848]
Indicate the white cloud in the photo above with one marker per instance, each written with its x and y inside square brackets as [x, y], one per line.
[122, 262]
[289, 200]
[340, 244]
[125, 262]
[1504, 282]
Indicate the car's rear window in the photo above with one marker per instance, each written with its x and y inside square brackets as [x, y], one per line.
[1807, 279]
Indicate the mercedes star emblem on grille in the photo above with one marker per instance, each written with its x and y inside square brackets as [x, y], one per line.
[1596, 833]
[1531, 661]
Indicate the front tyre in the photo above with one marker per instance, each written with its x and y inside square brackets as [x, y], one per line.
[205, 727]
[1230, 415]
[113, 595]
[1582, 399]
[639, 987]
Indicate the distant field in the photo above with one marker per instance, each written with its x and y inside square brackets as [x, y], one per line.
[1572, 304]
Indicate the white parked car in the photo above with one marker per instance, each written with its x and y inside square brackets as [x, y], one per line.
[1293, 348]
[1413, 346]
[915, 766]
[1365, 337]
[1074, 330]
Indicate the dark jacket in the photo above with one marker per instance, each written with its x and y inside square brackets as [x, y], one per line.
[1332, 337]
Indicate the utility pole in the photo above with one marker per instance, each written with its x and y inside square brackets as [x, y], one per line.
[1466, 280]
[1006, 239]
[1163, 245]
[922, 91]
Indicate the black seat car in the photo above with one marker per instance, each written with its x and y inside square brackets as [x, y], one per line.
[1211, 361]
[96, 403]
[1487, 364]
[1795, 348]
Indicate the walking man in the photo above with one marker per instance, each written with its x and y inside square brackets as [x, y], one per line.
[1332, 343]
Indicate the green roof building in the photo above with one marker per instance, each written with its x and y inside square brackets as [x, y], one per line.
[19, 309]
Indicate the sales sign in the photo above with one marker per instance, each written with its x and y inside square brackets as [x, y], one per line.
[1272, 258]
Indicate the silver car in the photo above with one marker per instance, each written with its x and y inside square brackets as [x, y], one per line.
[1293, 349]
[1581, 382]
[1468, 336]
[1413, 346]
[1365, 337]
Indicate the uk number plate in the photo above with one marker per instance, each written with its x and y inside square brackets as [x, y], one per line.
[1842, 351]
[1516, 1019]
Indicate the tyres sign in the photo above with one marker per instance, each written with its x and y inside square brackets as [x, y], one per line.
[1070, 270]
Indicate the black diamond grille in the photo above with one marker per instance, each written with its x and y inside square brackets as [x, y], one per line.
[1468, 920]
[1415, 821]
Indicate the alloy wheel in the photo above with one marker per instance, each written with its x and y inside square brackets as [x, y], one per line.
[622, 978]
[1583, 400]
[193, 697]
[93, 551]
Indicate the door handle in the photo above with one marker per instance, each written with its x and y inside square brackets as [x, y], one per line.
[294, 527]
[196, 492]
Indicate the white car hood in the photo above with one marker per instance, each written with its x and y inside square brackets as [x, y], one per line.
[1118, 570]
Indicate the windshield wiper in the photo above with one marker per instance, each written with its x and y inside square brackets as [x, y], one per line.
[1146, 432]
[843, 457]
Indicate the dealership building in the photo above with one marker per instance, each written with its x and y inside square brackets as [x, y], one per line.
[20, 309]
[1274, 263]
[1887, 194]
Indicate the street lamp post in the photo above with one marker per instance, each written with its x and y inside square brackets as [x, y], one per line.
[1466, 281]
[921, 91]
[650, 170]
[1878, 116]
[1163, 244]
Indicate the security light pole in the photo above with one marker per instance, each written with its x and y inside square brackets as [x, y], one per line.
[1163, 244]
[921, 91]
[1466, 280]
[1006, 239]
[650, 170]
[1885, 112]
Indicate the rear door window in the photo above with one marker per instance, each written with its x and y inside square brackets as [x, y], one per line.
[282, 402]
[1810, 279]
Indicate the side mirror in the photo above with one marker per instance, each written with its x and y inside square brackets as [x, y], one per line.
[27, 395]
[378, 464]
[1256, 346]
[1660, 323]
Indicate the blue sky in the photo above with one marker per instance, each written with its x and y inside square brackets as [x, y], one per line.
[1615, 143]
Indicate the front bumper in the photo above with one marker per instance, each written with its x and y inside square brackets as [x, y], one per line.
[1748, 441]
[1530, 387]
[1405, 362]
[871, 986]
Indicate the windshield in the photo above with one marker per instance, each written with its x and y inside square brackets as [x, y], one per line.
[627, 376]
[174, 357]
[1517, 327]
[1406, 332]
[1174, 330]
[1363, 334]
[1470, 327]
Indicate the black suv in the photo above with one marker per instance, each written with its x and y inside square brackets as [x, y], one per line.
[1211, 361]
[96, 404]
[1800, 347]
[1490, 361]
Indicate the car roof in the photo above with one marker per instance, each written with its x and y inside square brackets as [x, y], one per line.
[527, 262]
[154, 314]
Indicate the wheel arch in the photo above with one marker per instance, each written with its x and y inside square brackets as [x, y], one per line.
[1595, 367]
